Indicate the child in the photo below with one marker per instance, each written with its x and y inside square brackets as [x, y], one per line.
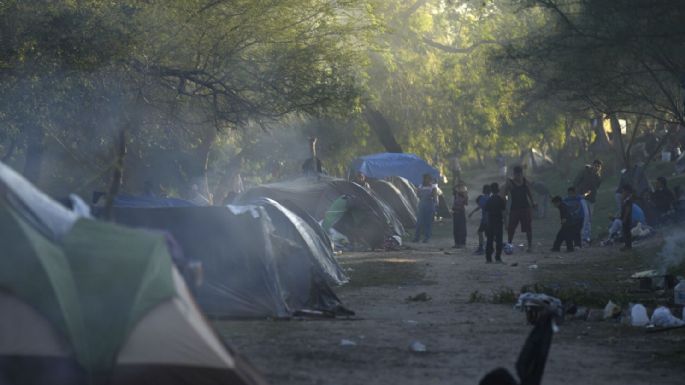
[482, 228]
[568, 230]
[575, 214]
[461, 199]
[494, 208]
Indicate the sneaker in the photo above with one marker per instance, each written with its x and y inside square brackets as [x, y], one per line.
[479, 252]
[499, 261]
[425, 240]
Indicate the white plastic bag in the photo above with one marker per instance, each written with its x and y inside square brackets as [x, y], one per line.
[662, 317]
[638, 315]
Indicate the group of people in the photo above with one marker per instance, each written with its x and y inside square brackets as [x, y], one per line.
[517, 193]
[492, 204]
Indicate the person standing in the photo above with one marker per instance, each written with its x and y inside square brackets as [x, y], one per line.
[662, 199]
[494, 208]
[313, 165]
[522, 203]
[627, 216]
[568, 229]
[428, 200]
[575, 214]
[461, 200]
[483, 226]
[587, 183]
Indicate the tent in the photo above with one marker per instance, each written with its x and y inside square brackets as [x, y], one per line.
[534, 160]
[370, 219]
[387, 191]
[384, 165]
[290, 226]
[408, 190]
[101, 304]
[254, 266]
[149, 201]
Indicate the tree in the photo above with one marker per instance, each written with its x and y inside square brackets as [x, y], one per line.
[607, 57]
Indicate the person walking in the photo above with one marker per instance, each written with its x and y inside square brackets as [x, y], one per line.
[522, 203]
[494, 209]
[568, 229]
[587, 183]
[461, 200]
[428, 200]
[481, 200]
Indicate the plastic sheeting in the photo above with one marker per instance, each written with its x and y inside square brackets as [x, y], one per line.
[251, 269]
[384, 165]
[368, 221]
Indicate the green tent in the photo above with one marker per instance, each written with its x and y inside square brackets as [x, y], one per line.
[95, 304]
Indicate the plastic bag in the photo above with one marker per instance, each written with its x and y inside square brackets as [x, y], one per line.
[638, 315]
[662, 317]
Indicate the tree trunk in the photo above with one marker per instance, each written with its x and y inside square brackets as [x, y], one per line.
[203, 155]
[35, 149]
[617, 139]
[382, 128]
[118, 175]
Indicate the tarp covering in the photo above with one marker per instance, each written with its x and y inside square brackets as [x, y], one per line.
[79, 310]
[384, 165]
[252, 267]
[315, 196]
[405, 211]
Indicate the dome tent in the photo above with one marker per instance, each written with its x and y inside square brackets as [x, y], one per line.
[253, 267]
[395, 199]
[101, 305]
[367, 219]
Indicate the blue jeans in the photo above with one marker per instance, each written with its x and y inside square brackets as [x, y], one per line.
[424, 222]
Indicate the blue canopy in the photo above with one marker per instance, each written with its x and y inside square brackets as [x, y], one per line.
[385, 164]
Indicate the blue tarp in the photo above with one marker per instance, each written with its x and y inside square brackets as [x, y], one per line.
[384, 165]
[149, 202]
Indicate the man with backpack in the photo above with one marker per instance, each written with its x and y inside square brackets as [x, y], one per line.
[576, 214]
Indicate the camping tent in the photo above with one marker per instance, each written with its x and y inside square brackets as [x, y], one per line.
[254, 267]
[101, 305]
[534, 160]
[370, 219]
[149, 201]
[318, 249]
[405, 211]
[408, 190]
[383, 165]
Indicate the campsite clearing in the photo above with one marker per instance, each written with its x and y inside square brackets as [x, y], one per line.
[464, 332]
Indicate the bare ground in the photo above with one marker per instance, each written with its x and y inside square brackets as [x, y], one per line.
[464, 338]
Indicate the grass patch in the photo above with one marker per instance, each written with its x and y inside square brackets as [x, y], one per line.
[477, 297]
[383, 273]
[504, 295]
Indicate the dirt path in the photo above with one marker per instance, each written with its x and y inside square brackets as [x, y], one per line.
[464, 339]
